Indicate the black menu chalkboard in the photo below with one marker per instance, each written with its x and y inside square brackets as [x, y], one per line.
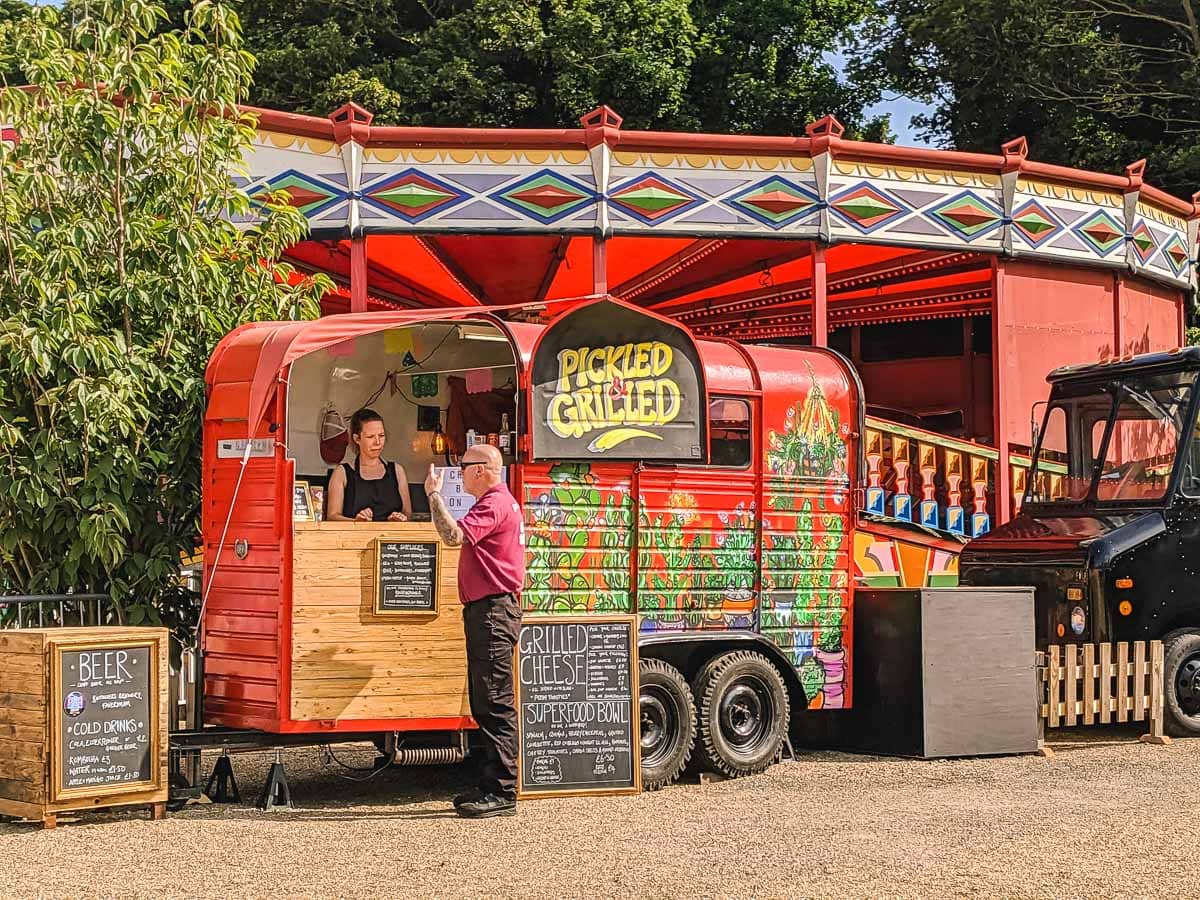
[577, 704]
[406, 576]
[107, 718]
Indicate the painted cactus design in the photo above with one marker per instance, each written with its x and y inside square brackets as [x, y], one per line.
[577, 543]
[805, 565]
[811, 444]
[696, 569]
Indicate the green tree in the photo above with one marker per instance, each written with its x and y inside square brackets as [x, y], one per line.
[1092, 83]
[119, 271]
[733, 65]
[11, 12]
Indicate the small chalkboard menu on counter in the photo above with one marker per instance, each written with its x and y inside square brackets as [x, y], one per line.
[577, 705]
[406, 576]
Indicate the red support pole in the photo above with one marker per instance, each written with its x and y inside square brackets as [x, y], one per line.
[358, 274]
[820, 317]
[599, 266]
[1000, 316]
[1118, 340]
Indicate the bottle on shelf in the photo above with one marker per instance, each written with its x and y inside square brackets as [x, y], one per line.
[472, 440]
[505, 435]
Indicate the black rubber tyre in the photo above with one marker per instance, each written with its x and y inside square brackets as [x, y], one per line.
[1181, 672]
[668, 718]
[742, 713]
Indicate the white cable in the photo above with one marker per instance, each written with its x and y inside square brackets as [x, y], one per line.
[212, 578]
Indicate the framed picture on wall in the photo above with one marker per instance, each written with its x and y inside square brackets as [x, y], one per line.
[428, 418]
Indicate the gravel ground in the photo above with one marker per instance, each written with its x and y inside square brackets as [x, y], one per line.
[1105, 817]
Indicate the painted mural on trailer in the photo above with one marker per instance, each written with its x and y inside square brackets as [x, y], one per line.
[578, 532]
[697, 551]
[706, 552]
[806, 524]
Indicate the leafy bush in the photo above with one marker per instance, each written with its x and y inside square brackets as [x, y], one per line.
[120, 269]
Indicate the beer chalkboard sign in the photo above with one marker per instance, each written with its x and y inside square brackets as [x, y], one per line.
[406, 576]
[577, 705]
[106, 718]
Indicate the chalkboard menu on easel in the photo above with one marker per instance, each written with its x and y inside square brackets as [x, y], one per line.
[106, 719]
[406, 576]
[577, 705]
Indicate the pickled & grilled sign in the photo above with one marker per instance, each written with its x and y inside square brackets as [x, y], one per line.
[612, 382]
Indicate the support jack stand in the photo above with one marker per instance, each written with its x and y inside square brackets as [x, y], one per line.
[276, 793]
[222, 786]
[791, 751]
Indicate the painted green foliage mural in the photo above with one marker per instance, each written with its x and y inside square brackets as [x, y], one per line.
[578, 534]
[805, 577]
[698, 558]
[696, 569]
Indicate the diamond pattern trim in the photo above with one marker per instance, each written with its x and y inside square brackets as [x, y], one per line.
[1144, 243]
[545, 196]
[653, 199]
[304, 192]
[776, 202]
[1101, 232]
[413, 195]
[1034, 223]
[967, 215]
[1176, 254]
[866, 207]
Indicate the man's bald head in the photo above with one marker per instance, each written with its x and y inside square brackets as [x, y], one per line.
[483, 467]
[485, 453]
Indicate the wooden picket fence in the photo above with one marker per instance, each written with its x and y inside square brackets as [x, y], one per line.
[1097, 684]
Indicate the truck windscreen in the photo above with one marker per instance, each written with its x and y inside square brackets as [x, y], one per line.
[1111, 442]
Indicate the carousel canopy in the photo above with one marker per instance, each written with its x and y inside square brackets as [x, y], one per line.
[730, 234]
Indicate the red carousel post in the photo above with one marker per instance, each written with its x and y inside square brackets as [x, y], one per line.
[820, 318]
[351, 131]
[602, 131]
[358, 274]
[1000, 391]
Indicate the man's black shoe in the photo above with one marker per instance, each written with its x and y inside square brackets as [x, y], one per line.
[487, 806]
[469, 797]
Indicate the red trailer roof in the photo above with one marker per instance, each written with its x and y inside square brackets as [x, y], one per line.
[248, 361]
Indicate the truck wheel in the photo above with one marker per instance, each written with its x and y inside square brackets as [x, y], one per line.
[1181, 671]
[668, 719]
[743, 713]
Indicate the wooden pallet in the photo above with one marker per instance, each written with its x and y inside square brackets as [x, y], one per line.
[1099, 684]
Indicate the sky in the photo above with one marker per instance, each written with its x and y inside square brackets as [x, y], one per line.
[899, 107]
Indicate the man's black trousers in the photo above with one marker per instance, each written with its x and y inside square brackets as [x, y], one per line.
[491, 626]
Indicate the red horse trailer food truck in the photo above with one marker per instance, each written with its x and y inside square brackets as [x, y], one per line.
[705, 486]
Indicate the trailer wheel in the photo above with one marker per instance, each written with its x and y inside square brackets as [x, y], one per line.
[743, 713]
[668, 720]
[1181, 671]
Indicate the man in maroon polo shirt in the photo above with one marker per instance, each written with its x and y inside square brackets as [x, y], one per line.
[491, 571]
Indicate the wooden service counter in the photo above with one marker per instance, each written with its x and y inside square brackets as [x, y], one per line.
[377, 629]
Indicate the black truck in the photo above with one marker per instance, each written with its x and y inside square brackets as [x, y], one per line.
[1109, 529]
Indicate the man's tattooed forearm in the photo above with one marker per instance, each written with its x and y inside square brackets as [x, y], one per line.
[444, 522]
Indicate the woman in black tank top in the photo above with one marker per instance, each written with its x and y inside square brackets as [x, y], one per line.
[371, 490]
